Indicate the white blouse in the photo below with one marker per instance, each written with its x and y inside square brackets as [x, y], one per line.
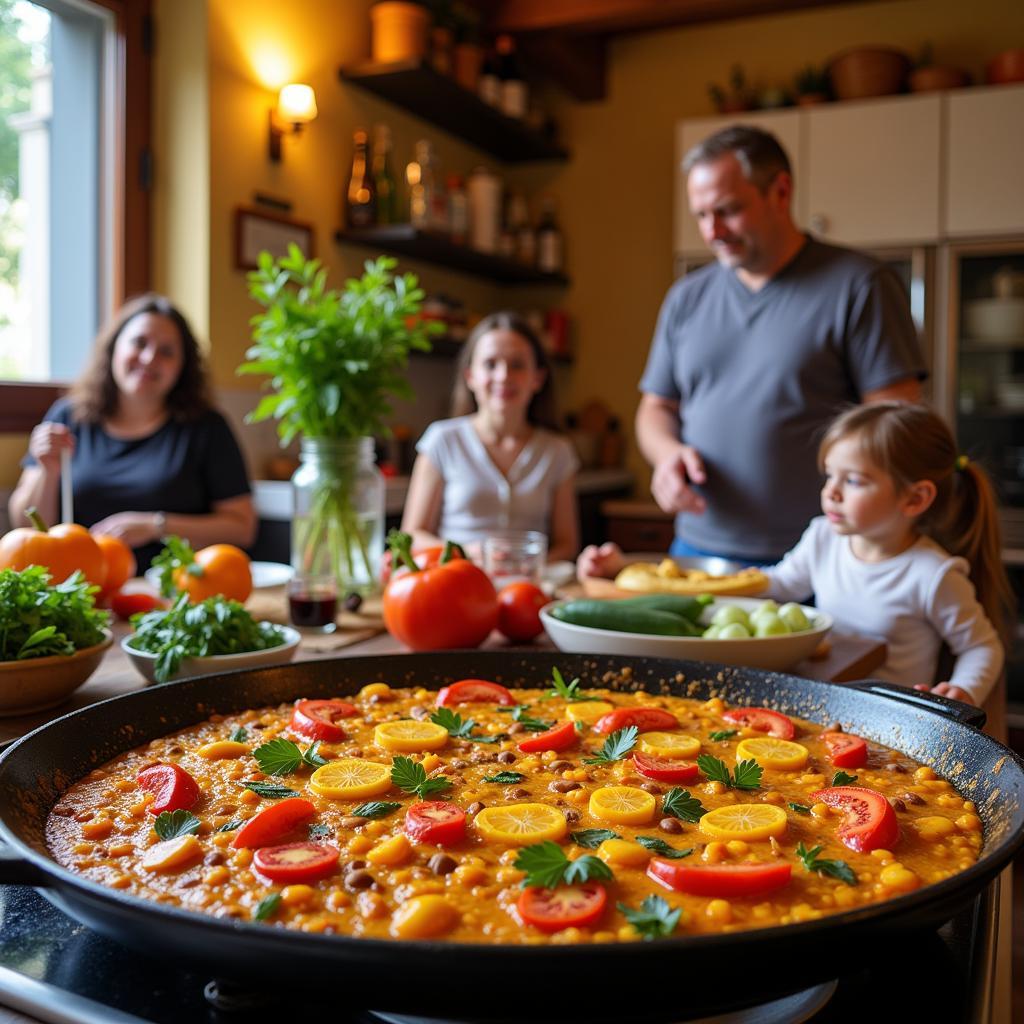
[478, 498]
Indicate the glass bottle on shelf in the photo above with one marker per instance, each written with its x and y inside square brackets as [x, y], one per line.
[489, 85]
[515, 94]
[524, 248]
[550, 245]
[385, 186]
[458, 210]
[359, 199]
[426, 197]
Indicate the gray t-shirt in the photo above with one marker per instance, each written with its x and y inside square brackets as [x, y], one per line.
[759, 375]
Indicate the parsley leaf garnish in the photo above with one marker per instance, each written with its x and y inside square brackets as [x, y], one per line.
[311, 756]
[546, 865]
[230, 826]
[654, 919]
[677, 803]
[375, 809]
[528, 723]
[660, 847]
[616, 747]
[269, 790]
[842, 779]
[505, 778]
[722, 734]
[266, 906]
[835, 868]
[592, 838]
[454, 723]
[407, 775]
[746, 775]
[239, 735]
[282, 757]
[320, 831]
[800, 808]
[174, 824]
[569, 691]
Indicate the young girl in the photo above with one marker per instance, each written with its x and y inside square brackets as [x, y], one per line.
[907, 550]
[498, 464]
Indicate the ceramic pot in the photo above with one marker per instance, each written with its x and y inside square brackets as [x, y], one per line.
[399, 31]
[868, 71]
[1005, 67]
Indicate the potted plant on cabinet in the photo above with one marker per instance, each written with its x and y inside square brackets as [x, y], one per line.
[334, 359]
[812, 86]
[737, 98]
[928, 76]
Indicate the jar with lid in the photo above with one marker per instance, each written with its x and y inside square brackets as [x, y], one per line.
[338, 512]
[484, 190]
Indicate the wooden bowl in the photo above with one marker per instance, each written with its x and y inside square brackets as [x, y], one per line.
[35, 684]
[935, 79]
[868, 71]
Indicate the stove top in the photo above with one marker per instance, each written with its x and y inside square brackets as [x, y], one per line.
[56, 970]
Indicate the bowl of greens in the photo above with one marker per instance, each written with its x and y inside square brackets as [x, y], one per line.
[52, 638]
[211, 636]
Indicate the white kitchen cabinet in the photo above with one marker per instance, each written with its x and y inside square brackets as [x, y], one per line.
[984, 155]
[873, 170]
[785, 125]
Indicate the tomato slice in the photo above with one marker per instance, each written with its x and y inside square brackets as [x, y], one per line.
[845, 751]
[722, 880]
[763, 720]
[469, 691]
[317, 719]
[568, 906]
[273, 822]
[174, 788]
[664, 768]
[436, 821]
[870, 822]
[645, 719]
[559, 738]
[296, 862]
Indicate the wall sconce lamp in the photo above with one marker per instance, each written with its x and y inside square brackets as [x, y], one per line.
[296, 106]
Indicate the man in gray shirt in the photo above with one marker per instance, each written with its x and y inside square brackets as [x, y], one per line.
[754, 354]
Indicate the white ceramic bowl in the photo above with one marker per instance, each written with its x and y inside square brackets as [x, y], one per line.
[145, 662]
[995, 321]
[769, 652]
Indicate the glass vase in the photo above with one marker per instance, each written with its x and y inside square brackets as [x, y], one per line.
[338, 520]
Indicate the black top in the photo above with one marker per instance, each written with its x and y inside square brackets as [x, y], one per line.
[182, 468]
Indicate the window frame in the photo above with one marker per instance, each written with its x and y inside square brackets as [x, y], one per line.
[23, 403]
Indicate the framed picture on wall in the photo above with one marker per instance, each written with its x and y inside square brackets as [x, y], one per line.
[259, 230]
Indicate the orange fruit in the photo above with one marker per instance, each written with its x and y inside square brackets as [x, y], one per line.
[219, 569]
[120, 561]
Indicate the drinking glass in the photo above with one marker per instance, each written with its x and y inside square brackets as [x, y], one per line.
[515, 555]
[313, 602]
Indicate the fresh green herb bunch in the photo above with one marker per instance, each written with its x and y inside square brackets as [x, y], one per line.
[38, 620]
[186, 630]
[334, 359]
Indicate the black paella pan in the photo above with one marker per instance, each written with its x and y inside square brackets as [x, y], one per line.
[684, 975]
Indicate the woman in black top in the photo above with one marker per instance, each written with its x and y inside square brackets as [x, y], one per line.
[150, 455]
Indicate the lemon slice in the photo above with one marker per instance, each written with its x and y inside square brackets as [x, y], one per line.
[588, 711]
[744, 821]
[623, 805]
[669, 744]
[770, 752]
[521, 824]
[351, 778]
[410, 736]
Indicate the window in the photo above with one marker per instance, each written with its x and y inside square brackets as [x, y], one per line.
[74, 98]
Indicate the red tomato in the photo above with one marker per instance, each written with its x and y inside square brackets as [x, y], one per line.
[175, 789]
[845, 751]
[722, 880]
[470, 691]
[664, 769]
[519, 605]
[568, 906]
[870, 822]
[317, 719]
[558, 738]
[296, 862]
[436, 821]
[273, 822]
[124, 606]
[453, 604]
[645, 719]
[763, 720]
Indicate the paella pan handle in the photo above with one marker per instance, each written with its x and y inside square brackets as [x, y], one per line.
[16, 870]
[966, 714]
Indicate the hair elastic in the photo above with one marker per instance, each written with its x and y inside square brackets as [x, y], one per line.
[961, 463]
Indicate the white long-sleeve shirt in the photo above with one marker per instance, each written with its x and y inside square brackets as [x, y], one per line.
[913, 602]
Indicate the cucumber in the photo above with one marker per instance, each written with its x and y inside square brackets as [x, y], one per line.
[621, 617]
[678, 604]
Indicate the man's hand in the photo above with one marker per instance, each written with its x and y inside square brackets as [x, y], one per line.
[605, 561]
[134, 528]
[946, 690]
[47, 442]
[673, 478]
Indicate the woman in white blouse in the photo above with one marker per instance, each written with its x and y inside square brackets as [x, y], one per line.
[499, 463]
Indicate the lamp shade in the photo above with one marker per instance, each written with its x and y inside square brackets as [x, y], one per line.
[296, 104]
